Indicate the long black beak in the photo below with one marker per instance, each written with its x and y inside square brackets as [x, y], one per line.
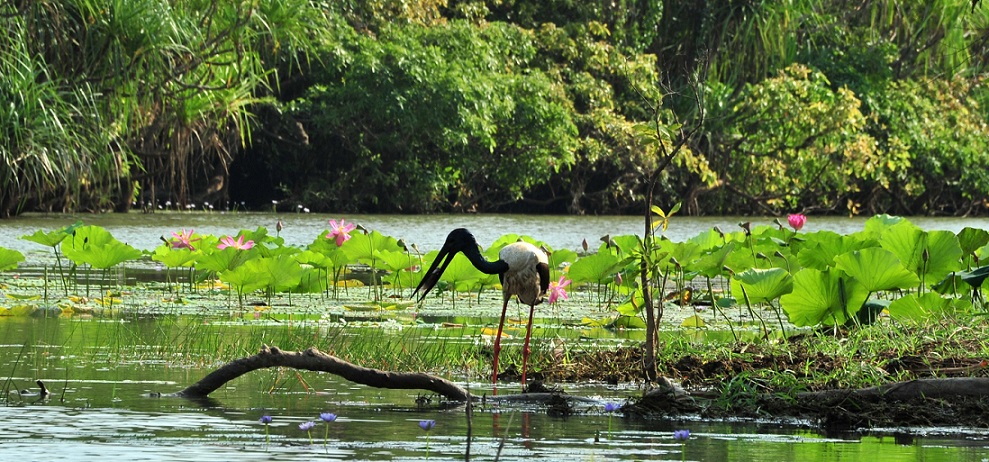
[442, 260]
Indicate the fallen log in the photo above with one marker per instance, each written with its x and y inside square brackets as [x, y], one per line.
[934, 388]
[315, 360]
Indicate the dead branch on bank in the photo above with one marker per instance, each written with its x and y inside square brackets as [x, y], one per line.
[315, 360]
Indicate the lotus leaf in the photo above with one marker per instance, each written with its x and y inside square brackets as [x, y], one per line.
[920, 307]
[822, 297]
[94, 246]
[911, 244]
[595, 268]
[876, 269]
[762, 285]
[52, 238]
[9, 259]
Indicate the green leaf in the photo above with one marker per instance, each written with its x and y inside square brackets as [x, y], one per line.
[95, 246]
[916, 307]
[712, 264]
[174, 258]
[876, 269]
[822, 297]
[9, 259]
[911, 244]
[246, 278]
[762, 285]
[975, 277]
[363, 247]
[595, 268]
[971, 239]
[820, 248]
[227, 259]
[54, 237]
[282, 272]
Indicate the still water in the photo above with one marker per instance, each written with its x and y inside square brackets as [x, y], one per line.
[103, 408]
[427, 231]
[103, 374]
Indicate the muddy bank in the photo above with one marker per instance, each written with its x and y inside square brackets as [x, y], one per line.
[922, 388]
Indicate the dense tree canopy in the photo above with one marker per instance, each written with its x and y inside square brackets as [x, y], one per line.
[445, 105]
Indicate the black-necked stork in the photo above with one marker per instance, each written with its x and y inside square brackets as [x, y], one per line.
[522, 268]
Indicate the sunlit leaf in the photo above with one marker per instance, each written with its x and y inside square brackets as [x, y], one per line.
[94, 246]
[174, 258]
[916, 307]
[693, 321]
[820, 248]
[876, 269]
[52, 238]
[822, 297]
[762, 285]
[23, 297]
[594, 268]
[628, 322]
[9, 259]
[246, 279]
[931, 255]
[971, 239]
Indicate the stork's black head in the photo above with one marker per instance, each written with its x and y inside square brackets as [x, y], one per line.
[457, 241]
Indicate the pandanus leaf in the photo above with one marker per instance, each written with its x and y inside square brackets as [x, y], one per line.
[762, 285]
[931, 255]
[9, 259]
[822, 297]
[96, 247]
[876, 269]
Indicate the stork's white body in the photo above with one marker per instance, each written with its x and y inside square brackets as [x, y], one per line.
[522, 278]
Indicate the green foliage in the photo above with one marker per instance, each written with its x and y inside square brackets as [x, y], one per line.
[438, 112]
[96, 247]
[9, 259]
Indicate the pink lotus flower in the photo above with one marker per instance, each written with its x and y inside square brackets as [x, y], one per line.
[239, 244]
[556, 291]
[183, 240]
[340, 232]
[797, 221]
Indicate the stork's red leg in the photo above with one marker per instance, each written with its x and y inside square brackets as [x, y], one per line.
[525, 347]
[497, 342]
